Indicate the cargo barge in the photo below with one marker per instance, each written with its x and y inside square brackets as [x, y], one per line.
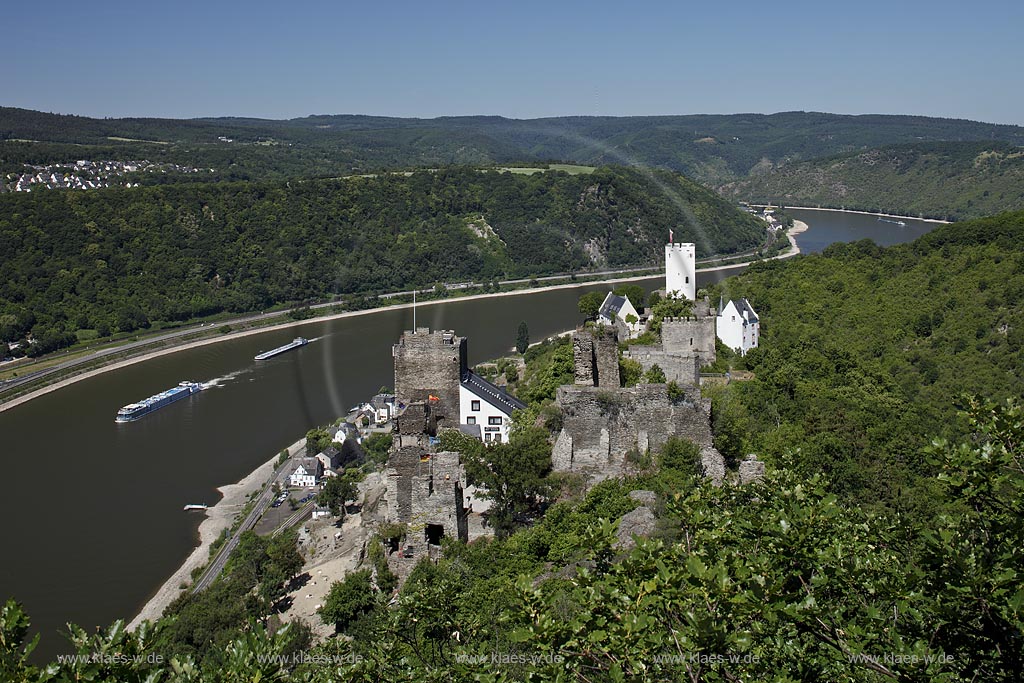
[133, 411]
[294, 344]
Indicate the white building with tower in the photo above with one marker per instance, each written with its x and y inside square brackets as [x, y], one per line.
[680, 269]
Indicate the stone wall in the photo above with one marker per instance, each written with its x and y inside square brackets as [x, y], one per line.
[690, 336]
[425, 491]
[430, 364]
[601, 425]
[681, 369]
[595, 352]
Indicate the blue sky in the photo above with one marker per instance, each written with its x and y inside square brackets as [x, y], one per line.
[517, 59]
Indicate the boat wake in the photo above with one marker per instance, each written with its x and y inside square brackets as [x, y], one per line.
[221, 381]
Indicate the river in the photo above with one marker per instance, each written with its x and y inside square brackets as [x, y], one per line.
[95, 525]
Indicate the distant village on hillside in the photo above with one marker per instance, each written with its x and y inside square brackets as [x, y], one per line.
[87, 175]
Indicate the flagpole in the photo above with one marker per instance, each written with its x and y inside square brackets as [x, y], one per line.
[414, 311]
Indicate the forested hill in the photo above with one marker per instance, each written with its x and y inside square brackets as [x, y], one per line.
[123, 259]
[713, 148]
[939, 180]
[866, 354]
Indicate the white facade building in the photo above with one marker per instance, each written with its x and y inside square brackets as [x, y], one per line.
[738, 326]
[484, 409]
[306, 473]
[619, 308]
[681, 270]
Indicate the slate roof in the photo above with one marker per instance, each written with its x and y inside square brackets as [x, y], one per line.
[478, 386]
[310, 465]
[380, 400]
[612, 306]
[471, 430]
[743, 306]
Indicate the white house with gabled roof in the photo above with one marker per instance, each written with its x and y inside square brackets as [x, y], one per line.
[485, 407]
[306, 473]
[621, 308]
[738, 326]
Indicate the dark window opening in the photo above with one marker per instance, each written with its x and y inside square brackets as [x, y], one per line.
[434, 533]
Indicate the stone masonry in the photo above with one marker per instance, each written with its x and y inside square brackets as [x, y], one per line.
[690, 336]
[681, 369]
[425, 491]
[414, 425]
[595, 355]
[601, 425]
[430, 364]
[687, 344]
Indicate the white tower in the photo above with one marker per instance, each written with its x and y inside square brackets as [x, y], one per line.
[681, 270]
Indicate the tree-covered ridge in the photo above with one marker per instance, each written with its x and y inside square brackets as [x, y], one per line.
[714, 148]
[865, 354]
[946, 180]
[122, 259]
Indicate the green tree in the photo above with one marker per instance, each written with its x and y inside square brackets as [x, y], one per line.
[630, 371]
[348, 601]
[655, 375]
[675, 392]
[513, 474]
[317, 439]
[590, 304]
[336, 491]
[377, 447]
[523, 338]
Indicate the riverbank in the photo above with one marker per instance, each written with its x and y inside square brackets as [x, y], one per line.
[798, 227]
[862, 213]
[219, 517]
[42, 391]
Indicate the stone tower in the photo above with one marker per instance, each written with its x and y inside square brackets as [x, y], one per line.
[428, 369]
[595, 356]
[681, 270]
[425, 491]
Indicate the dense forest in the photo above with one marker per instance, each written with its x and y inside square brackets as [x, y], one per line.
[866, 354]
[711, 148]
[946, 180]
[885, 543]
[118, 259]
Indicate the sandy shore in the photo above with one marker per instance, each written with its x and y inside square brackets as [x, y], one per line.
[863, 213]
[798, 227]
[218, 518]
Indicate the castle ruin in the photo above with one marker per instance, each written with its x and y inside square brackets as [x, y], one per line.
[428, 368]
[687, 344]
[603, 422]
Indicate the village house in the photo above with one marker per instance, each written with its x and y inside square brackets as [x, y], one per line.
[330, 459]
[383, 407]
[307, 472]
[486, 406]
[621, 309]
